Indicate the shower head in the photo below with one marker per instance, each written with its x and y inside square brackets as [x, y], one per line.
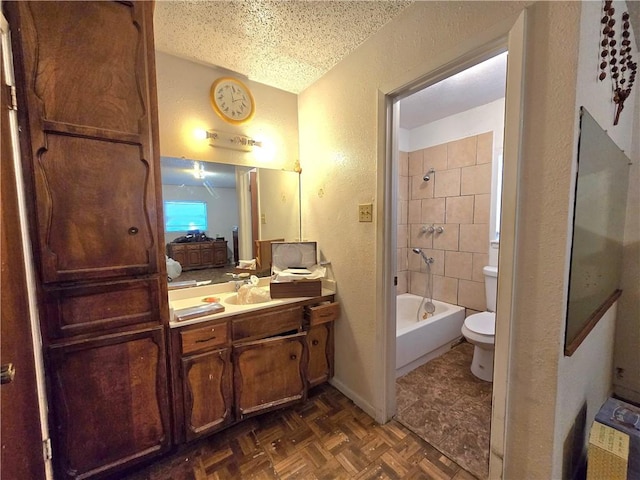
[427, 176]
[427, 260]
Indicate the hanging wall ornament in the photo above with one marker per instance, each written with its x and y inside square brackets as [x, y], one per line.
[616, 60]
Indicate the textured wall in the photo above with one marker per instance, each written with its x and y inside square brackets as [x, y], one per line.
[627, 345]
[585, 378]
[342, 161]
[543, 229]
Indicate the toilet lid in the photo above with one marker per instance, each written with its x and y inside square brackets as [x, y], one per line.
[483, 323]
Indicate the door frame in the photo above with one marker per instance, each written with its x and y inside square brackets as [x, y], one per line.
[510, 36]
[27, 260]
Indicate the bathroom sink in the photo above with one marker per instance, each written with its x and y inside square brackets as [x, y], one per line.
[253, 296]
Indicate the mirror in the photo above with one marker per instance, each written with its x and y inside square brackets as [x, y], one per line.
[231, 208]
[598, 230]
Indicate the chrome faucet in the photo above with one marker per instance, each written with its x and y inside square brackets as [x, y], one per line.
[238, 281]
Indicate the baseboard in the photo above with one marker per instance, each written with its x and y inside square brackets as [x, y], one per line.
[354, 397]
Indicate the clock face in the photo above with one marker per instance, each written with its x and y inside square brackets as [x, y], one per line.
[232, 100]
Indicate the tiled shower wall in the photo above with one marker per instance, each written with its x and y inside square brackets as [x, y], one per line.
[456, 198]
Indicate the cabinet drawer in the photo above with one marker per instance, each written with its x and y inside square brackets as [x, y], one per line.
[98, 307]
[204, 337]
[327, 312]
[267, 324]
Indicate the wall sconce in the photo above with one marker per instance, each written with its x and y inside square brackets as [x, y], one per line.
[232, 141]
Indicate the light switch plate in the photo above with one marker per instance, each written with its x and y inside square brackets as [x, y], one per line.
[365, 212]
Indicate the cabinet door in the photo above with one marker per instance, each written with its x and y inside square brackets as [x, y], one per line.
[269, 374]
[90, 156]
[220, 253]
[110, 407]
[207, 391]
[194, 256]
[320, 345]
[178, 253]
[207, 252]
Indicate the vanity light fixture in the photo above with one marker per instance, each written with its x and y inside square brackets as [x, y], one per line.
[231, 140]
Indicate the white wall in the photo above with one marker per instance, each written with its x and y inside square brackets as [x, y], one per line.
[279, 205]
[489, 117]
[585, 378]
[627, 344]
[184, 107]
[342, 155]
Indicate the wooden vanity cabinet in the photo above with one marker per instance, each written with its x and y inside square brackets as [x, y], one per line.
[236, 367]
[207, 392]
[320, 347]
[87, 107]
[269, 373]
[269, 359]
[320, 320]
[203, 379]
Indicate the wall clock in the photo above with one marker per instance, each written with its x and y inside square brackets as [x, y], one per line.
[232, 100]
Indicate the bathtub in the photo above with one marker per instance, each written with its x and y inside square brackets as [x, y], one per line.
[419, 342]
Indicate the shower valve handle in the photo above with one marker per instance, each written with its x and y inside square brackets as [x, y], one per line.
[439, 229]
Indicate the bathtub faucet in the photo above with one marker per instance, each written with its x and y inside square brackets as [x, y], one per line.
[427, 260]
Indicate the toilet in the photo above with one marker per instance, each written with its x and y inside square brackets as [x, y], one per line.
[479, 329]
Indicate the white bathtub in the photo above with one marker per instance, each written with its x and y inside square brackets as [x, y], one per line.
[419, 342]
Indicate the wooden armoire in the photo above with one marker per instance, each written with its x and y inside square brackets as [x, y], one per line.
[89, 141]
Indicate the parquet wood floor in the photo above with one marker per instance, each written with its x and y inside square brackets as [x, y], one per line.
[325, 438]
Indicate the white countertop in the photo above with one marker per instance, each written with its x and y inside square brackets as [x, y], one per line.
[194, 296]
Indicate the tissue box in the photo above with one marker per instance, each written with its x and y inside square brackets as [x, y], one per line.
[614, 442]
[293, 255]
[296, 288]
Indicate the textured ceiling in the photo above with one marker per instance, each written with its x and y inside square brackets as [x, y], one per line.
[283, 44]
[290, 44]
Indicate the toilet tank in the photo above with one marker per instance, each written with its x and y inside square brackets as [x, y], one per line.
[490, 286]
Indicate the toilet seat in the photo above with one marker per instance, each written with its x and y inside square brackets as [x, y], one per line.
[483, 323]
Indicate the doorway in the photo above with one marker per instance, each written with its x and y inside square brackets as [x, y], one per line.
[513, 41]
[450, 139]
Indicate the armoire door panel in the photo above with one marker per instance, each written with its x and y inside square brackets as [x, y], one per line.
[110, 406]
[109, 63]
[97, 228]
[90, 153]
